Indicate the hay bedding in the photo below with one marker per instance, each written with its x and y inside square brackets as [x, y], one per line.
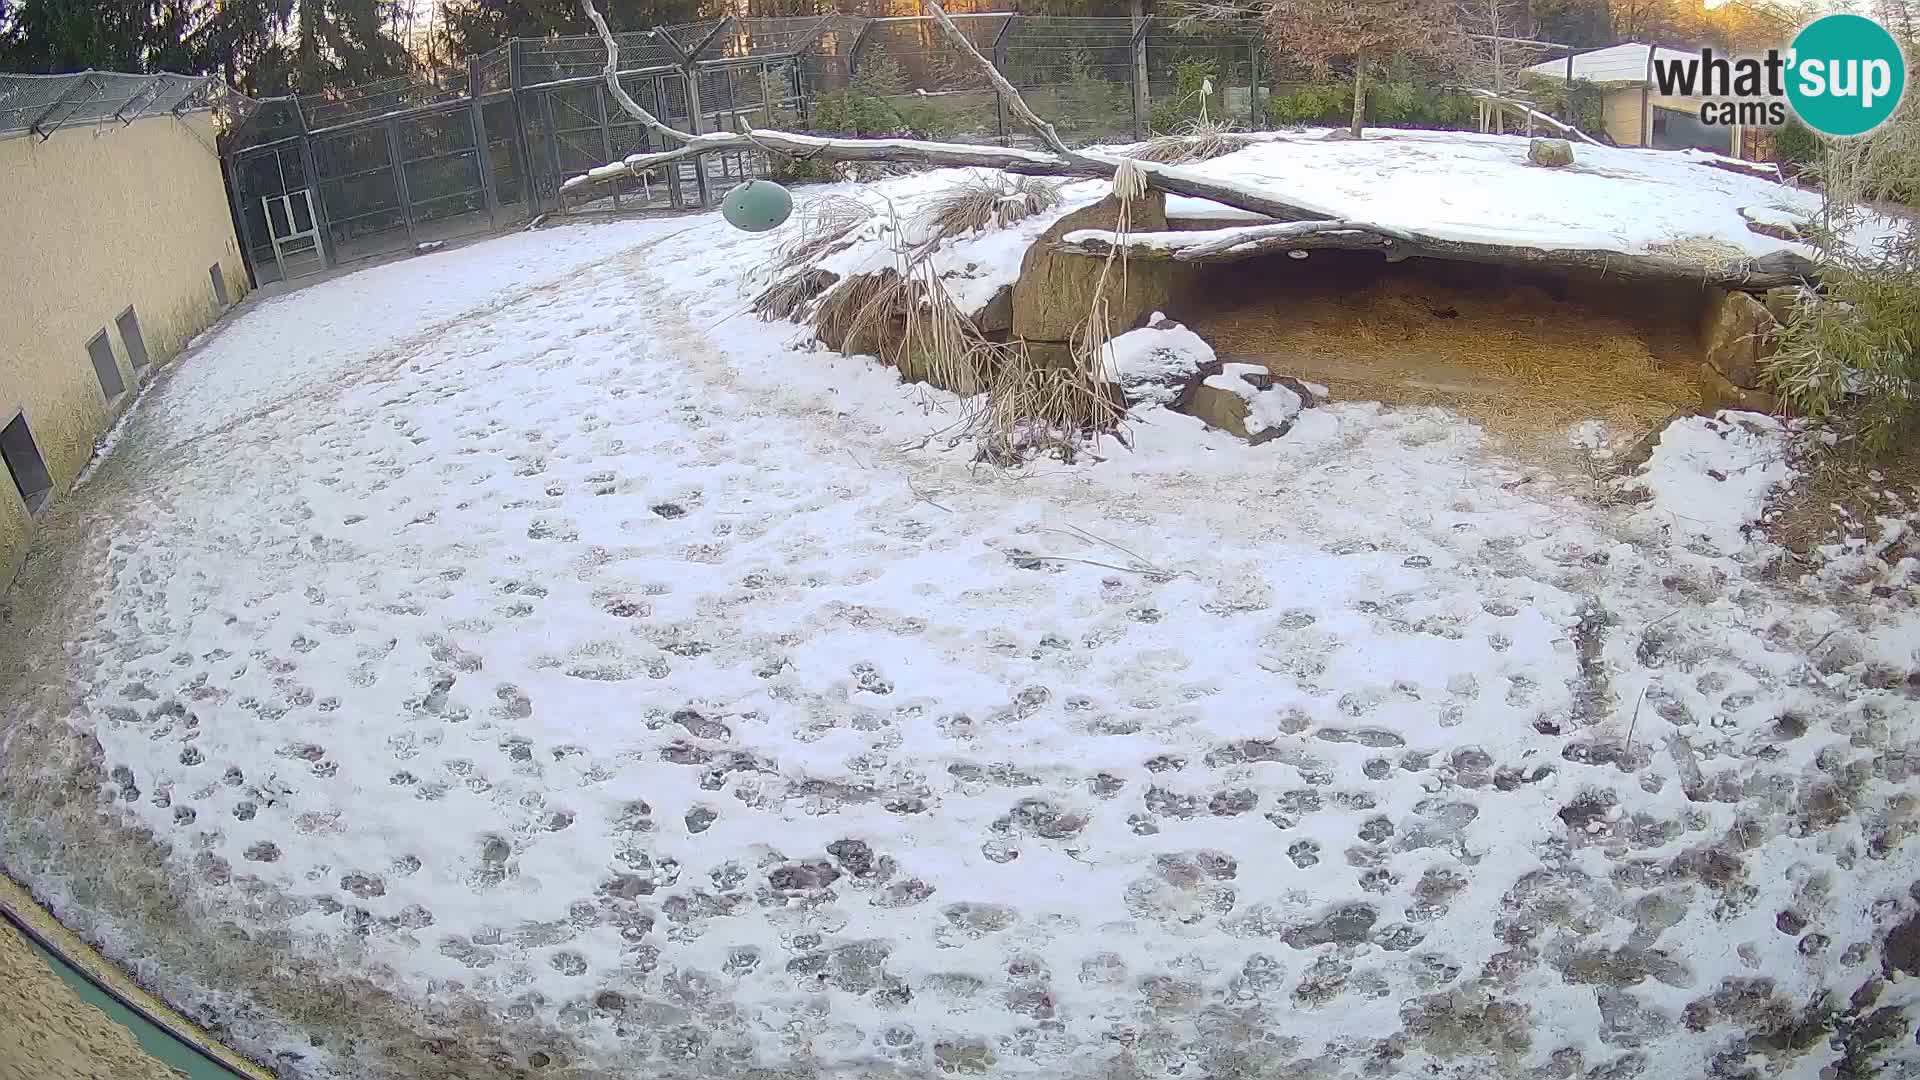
[1513, 360]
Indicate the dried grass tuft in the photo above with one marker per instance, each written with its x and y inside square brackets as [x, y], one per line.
[821, 227]
[861, 303]
[1014, 405]
[1035, 408]
[1194, 140]
[1701, 248]
[790, 296]
[985, 200]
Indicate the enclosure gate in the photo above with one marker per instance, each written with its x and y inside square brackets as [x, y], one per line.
[576, 127]
[259, 177]
[294, 233]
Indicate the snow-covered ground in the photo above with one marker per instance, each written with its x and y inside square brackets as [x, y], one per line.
[561, 670]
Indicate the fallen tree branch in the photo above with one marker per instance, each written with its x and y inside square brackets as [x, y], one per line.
[1297, 225]
[1171, 179]
[1528, 110]
[1252, 241]
[1058, 161]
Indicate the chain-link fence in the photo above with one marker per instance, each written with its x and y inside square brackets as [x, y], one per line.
[408, 161]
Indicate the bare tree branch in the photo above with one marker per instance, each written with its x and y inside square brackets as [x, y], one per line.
[1016, 104]
[612, 75]
[1538, 116]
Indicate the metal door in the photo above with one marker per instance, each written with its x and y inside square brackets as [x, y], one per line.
[261, 177]
[294, 233]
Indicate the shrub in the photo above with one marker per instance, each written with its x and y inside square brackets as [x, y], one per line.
[1849, 352]
[1189, 101]
[1795, 144]
[1396, 103]
[850, 112]
[1850, 355]
[863, 107]
[1552, 96]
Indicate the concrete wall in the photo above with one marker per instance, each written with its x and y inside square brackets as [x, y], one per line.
[92, 220]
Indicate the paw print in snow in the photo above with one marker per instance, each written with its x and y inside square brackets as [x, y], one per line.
[867, 677]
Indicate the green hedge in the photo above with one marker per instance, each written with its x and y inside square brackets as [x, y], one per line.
[1389, 104]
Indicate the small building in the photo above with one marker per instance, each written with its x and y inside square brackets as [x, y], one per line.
[116, 247]
[1635, 112]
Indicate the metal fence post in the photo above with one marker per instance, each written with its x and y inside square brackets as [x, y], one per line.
[859, 45]
[606, 136]
[1254, 111]
[231, 167]
[482, 153]
[400, 178]
[696, 110]
[696, 124]
[516, 79]
[1000, 65]
[310, 169]
[1142, 86]
[553, 146]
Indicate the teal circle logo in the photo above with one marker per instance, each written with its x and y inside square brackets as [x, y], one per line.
[1847, 75]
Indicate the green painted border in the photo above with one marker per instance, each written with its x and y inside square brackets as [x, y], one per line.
[161, 1032]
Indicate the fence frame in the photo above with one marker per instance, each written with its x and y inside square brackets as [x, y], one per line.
[675, 65]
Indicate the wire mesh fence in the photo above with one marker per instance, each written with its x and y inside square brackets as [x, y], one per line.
[410, 161]
[42, 104]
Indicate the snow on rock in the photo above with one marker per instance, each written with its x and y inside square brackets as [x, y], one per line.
[1270, 406]
[599, 679]
[973, 267]
[1775, 216]
[1472, 187]
[1710, 477]
[1154, 363]
[1189, 208]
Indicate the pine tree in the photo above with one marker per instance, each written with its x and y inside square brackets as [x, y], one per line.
[473, 27]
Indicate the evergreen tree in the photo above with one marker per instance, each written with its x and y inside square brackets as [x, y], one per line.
[473, 27]
[263, 47]
[1585, 24]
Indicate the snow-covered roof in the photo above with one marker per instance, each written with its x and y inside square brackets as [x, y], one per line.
[1616, 64]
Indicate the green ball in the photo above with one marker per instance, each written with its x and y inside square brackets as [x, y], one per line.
[756, 206]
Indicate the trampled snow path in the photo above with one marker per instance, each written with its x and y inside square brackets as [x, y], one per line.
[594, 686]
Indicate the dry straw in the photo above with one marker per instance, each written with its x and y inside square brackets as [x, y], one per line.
[984, 200]
[1193, 140]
